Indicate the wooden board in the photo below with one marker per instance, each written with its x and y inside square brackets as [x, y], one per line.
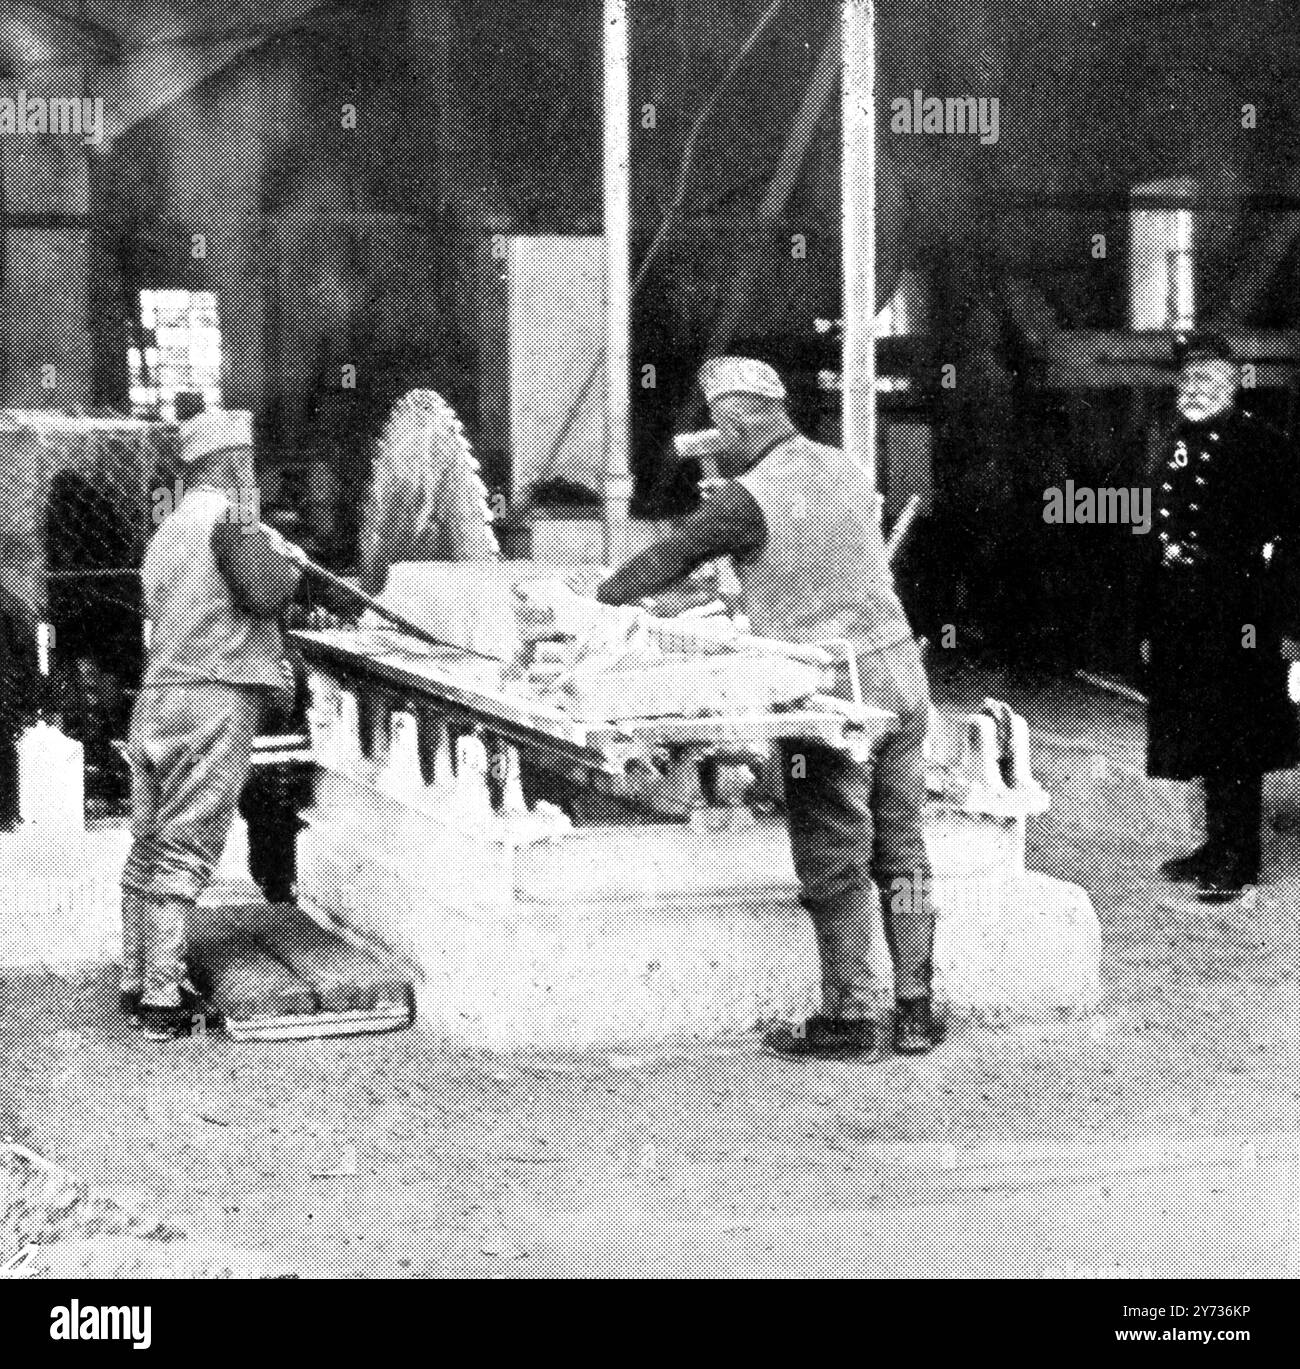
[428, 677]
[687, 686]
[310, 1026]
[747, 729]
[607, 747]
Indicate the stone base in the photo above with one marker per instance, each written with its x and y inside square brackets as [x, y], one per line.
[608, 934]
[61, 895]
[60, 901]
[595, 935]
[1026, 947]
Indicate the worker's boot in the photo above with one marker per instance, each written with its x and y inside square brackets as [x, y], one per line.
[1226, 879]
[846, 1028]
[1232, 814]
[193, 1015]
[172, 1005]
[129, 998]
[132, 985]
[917, 1027]
[1187, 869]
[829, 1038]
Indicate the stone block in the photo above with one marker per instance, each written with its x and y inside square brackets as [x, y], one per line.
[608, 934]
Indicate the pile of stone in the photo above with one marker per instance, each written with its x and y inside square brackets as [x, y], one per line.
[41, 1202]
[613, 664]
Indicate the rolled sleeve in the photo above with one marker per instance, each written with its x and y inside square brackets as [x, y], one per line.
[729, 523]
[262, 580]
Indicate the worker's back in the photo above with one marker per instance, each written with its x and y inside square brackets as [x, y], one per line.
[199, 631]
[823, 571]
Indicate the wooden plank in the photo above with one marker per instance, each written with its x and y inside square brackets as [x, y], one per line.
[607, 747]
[532, 728]
[747, 730]
[553, 724]
[424, 675]
[313, 1026]
[686, 688]
[685, 634]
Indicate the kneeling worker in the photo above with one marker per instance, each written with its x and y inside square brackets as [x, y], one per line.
[215, 581]
[799, 521]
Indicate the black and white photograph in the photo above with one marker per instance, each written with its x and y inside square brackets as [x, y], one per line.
[649, 640]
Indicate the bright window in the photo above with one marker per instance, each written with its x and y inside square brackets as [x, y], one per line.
[1162, 259]
[179, 349]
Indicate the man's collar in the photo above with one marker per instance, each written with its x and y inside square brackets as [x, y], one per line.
[785, 431]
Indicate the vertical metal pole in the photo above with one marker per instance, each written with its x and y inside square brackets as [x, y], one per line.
[617, 491]
[858, 191]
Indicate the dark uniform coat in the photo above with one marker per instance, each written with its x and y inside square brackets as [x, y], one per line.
[1222, 592]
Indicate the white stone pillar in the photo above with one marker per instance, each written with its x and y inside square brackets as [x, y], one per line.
[617, 487]
[858, 189]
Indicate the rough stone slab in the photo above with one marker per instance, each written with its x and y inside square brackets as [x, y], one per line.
[469, 604]
[643, 933]
[245, 979]
[344, 978]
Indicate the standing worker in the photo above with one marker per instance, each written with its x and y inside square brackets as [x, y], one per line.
[215, 580]
[799, 521]
[1223, 594]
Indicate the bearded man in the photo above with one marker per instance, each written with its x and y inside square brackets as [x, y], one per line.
[1222, 595]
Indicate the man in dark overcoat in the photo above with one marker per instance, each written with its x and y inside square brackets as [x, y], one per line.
[1221, 610]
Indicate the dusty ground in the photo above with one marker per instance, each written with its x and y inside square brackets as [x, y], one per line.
[1160, 1136]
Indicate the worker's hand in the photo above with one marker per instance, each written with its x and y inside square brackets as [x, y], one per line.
[314, 618]
[546, 609]
[291, 551]
[1144, 651]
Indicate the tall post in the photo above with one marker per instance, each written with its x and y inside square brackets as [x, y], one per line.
[858, 192]
[617, 488]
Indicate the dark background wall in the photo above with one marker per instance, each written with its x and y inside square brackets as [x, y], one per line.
[366, 246]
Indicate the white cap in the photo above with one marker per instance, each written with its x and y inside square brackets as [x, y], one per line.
[215, 430]
[739, 375]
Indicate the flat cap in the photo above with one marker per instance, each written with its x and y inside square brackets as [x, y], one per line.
[1190, 346]
[216, 430]
[739, 375]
